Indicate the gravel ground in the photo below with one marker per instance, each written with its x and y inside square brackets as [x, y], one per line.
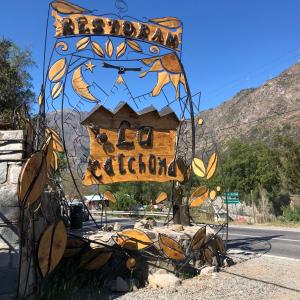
[257, 278]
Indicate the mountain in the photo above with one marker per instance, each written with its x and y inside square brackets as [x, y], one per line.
[258, 113]
[252, 114]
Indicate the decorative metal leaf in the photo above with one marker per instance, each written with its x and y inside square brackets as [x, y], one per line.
[161, 197]
[212, 195]
[51, 247]
[208, 256]
[163, 78]
[109, 48]
[58, 70]
[33, 178]
[212, 166]
[65, 7]
[64, 46]
[200, 121]
[83, 43]
[198, 239]
[110, 196]
[170, 22]
[80, 86]
[198, 196]
[198, 167]
[121, 49]
[170, 247]
[133, 239]
[98, 49]
[56, 90]
[134, 46]
[71, 252]
[120, 79]
[171, 63]
[41, 98]
[95, 259]
[56, 140]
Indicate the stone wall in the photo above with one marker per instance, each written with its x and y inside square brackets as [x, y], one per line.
[12, 152]
[15, 246]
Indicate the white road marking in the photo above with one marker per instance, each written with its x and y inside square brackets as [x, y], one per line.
[282, 257]
[260, 236]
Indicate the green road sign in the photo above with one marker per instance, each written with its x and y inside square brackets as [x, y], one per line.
[231, 194]
[232, 201]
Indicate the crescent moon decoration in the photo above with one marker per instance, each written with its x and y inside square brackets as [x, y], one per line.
[80, 86]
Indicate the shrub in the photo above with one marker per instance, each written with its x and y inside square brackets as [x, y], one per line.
[291, 214]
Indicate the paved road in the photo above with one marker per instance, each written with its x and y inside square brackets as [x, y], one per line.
[271, 242]
[277, 242]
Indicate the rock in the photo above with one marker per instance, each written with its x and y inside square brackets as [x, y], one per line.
[208, 270]
[143, 221]
[228, 262]
[138, 225]
[117, 226]
[152, 223]
[14, 172]
[177, 227]
[119, 285]
[3, 172]
[163, 281]
[108, 227]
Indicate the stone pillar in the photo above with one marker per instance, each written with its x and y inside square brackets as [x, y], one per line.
[11, 157]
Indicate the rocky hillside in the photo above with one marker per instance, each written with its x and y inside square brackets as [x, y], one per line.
[252, 114]
[258, 113]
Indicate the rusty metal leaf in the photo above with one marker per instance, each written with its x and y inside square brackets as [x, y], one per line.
[163, 78]
[56, 90]
[110, 196]
[98, 49]
[198, 196]
[109, 48]
[170, 247]
[212, 166]
[161, 197]
[171, 63]
[198, 239]
[134, 46]
[198, 167]
[58, 70]
[212, 195]
[121, 49]
[133, 239]
[65, 7]
[170, 22]
[56, 140]
[175, 79]
[33, 178]
[83, 43]
[95, 259]
[51, 247]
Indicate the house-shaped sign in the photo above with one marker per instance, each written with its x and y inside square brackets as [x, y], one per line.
[130, 146]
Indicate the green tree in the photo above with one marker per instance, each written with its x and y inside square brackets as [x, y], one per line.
[15, 81]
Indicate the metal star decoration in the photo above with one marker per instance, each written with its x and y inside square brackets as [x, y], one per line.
[90, 66]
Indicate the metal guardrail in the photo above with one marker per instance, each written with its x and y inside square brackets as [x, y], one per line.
[141, 213]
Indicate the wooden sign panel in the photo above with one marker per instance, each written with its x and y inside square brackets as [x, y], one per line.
[79, 24]
[123, 154]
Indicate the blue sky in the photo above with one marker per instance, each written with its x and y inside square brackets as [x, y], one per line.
[228, 45]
